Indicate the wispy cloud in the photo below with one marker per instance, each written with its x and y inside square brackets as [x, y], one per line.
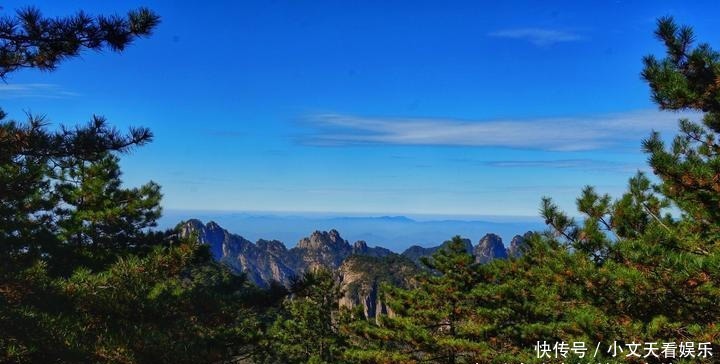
[581, 164]
[34, 90]
[538, 36]
[555, 134]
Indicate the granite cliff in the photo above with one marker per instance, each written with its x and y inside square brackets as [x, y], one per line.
[359, 268]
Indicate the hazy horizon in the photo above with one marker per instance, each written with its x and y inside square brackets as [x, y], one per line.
[392, 231]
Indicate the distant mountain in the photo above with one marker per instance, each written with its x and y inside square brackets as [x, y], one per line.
[263, 262]
[489, 247]
[269, 260]
[360, 269]
[396, 233]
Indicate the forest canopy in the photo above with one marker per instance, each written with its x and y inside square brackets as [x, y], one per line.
[86, 277]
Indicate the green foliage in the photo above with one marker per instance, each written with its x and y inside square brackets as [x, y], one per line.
[430, 323]
[30, 40]
[97, 217]
[32, 157]
[687, 79]
[393, 269]
[172, 306]
[84, 279]
[35, 198]
[306, 330]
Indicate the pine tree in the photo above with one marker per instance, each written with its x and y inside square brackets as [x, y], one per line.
[687, 79]
[82, 279]
[31, 40]
[31, 159]
[306, 330]
[172, 306]
[31, 155]
[71, 288]
[98, 219]
[433, 322]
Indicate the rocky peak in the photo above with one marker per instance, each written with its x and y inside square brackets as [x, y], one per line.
[361, 268]
[272, 246]
[360, 246]
[324, 240]
[191, 224]
[334, 234]
[518, 244]
[212, 225]
[489, 247]
[322, 249]
[262, 264]
[211, 234]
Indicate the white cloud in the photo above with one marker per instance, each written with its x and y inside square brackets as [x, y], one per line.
[556, 134]
[537, 36]
[33, 90]
[580, 164]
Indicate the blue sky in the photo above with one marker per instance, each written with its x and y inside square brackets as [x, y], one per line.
[410, 107]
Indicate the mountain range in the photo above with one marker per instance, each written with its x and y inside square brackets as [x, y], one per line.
[393, 232]
[359, 268]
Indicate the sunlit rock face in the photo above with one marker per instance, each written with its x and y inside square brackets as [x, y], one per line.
[489, 247]
[322, 249]
[358, 268]
[361, 276]
[263, 262]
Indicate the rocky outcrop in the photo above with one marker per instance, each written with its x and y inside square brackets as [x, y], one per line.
[322, 249]
[211, 235]
[489, 247]
[263, 263]
[269, 260]
[360, 269]
[518, 245]
[361, 248]
[358, 290]
[361, 278]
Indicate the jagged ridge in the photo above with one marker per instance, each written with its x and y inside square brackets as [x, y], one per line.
[360, 269]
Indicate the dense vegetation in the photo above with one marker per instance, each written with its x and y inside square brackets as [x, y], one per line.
[84, 278]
